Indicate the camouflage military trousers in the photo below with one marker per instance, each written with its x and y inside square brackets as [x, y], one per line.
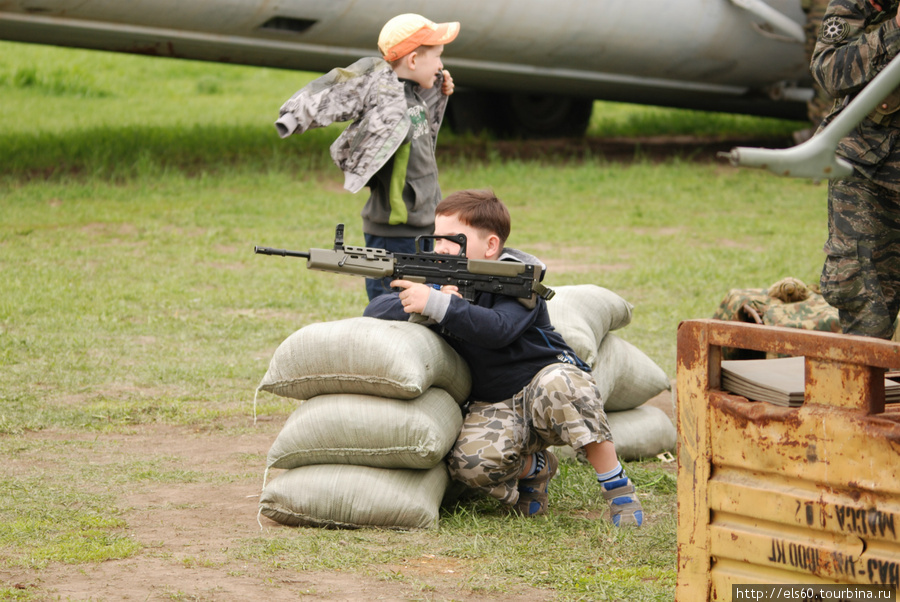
[861, 276]
[560, 406]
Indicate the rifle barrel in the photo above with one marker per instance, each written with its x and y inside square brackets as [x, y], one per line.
[281, 252]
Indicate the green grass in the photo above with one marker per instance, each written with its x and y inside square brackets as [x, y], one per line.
[132, 192]
[146, 294]
[621, 120]
[114, 116]
[57, 513]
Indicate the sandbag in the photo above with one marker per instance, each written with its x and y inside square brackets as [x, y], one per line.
[349, 496]
[384, 358]
[368, 431]
[626, 376]
[642, 432]
[584, 313]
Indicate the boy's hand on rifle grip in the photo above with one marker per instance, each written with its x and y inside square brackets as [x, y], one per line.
[450, 289]
[413, 295]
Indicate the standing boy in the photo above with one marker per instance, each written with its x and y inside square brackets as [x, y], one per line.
[396, 105]
[529, 389]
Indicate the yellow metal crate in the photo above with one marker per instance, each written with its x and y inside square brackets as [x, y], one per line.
[776, 495]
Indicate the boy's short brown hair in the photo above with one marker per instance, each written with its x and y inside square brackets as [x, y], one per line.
[479, 209]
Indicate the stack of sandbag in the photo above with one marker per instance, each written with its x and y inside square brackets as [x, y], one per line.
[585, 315]
[379, 408]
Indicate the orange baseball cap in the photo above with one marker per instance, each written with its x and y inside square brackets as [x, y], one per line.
[404, 33]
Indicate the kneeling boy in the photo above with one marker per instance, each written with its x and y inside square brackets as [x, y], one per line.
[529, 389]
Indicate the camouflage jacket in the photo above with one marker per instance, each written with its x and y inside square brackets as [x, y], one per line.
[369, 94]
[854, 44]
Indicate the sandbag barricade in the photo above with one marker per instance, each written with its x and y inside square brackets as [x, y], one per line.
[585, 315]
[379, 409]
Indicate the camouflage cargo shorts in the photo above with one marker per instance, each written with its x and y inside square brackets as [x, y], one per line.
[560, 406]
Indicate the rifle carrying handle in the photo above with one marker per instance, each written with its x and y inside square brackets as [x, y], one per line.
[459, 239]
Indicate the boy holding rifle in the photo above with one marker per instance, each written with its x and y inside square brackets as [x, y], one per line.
[529, 389]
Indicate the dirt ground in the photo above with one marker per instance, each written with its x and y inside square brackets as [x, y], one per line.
[187, 529]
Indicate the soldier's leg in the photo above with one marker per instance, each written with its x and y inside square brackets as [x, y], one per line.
[886, 254]
[863, 225]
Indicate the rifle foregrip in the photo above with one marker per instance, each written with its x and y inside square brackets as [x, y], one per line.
[351, 260]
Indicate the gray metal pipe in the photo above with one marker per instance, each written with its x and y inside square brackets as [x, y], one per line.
[816, 158]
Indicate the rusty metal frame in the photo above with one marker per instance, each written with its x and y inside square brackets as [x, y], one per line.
[763, 489]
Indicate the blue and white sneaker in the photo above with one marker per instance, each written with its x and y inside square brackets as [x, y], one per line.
[624, 506]
[534, 492]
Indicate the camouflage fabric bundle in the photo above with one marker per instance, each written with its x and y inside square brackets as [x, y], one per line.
[789, 290]
[743, 305]
[756, 305]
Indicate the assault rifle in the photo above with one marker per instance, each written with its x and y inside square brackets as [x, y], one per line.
[514, 279]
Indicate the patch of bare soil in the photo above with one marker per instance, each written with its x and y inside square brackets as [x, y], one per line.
[188, 529]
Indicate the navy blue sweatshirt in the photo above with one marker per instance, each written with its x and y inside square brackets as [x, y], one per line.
[504, 343]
